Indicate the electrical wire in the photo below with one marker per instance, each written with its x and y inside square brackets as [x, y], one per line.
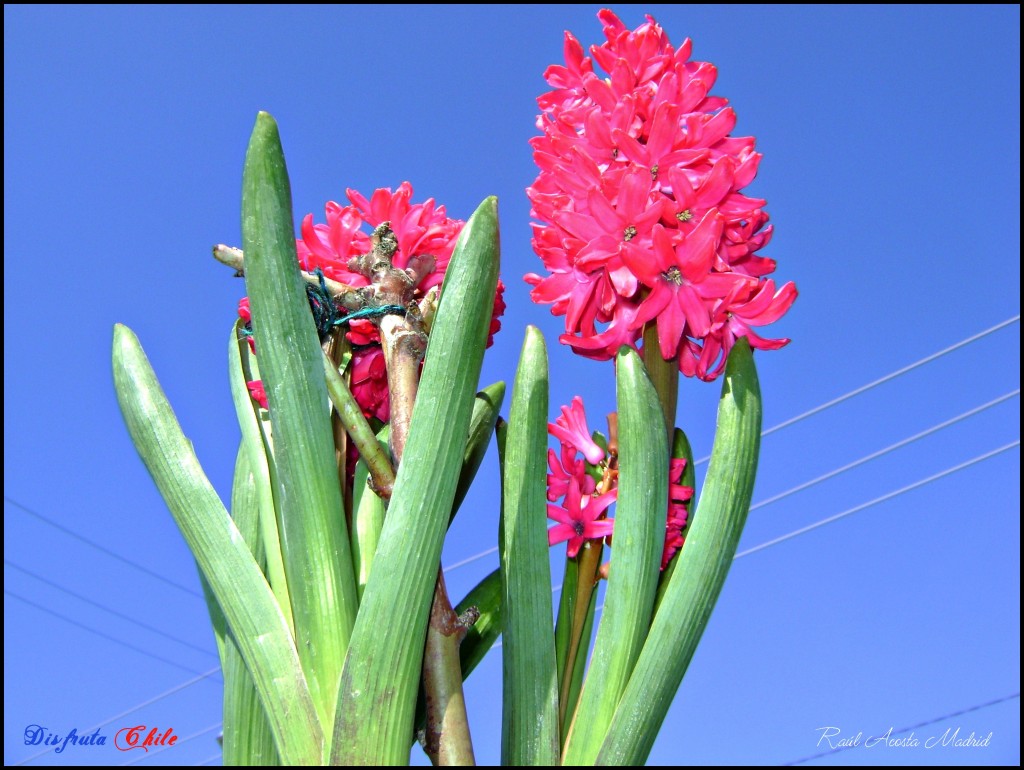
[885, 450]
[869, 503]
[877, 500]
[833, 473]
[100, 548]
[109, 638]
[111, 610]
[475, 557]
[881, 380]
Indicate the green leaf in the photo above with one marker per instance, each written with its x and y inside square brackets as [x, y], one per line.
[530, 732]
[224, 558]
[636, 556]
[377, 697]
[486, 407]
[248, 739]
[314, 542]
[703, 564]
[255, 444]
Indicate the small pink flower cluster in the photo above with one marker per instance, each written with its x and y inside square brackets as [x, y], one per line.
[640, 194]
[582, 514]
[421, 228]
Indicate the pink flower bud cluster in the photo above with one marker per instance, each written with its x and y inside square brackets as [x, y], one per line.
[640, 200]
[421, 228]
[582, 513]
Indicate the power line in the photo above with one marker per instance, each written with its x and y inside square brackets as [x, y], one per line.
[155, 699]
[177, 743]
[111, 610]
[885, 450]
[208, 760]
[109, 638]
[102, 549]
[869, 503]
[471, 559]
[833, 473]
[884, 379]
[918, 726]
[882, 499]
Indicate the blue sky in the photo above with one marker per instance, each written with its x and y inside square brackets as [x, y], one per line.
[891, 168]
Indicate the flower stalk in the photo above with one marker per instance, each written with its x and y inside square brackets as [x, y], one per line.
[234, 258]
[664, 376]
[404, 342]
[446, 736]
[359, 430]
[589, 562]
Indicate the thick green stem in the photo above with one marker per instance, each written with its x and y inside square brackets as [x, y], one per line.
[403, 352]
[359, 429]
[703, 565]
[665, 376]
[447, 741]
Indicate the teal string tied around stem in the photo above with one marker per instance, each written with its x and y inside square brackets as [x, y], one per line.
[326, 313]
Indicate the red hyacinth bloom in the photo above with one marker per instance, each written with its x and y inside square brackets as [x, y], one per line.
[677, 517]
[571, 429]
[640, 204]
[578, 518]
[259, 395]
[420, 228]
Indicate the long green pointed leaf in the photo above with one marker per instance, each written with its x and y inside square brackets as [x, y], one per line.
[530, 734]
[486, 407]
[636, 556]
[703, 565]
[248, 739]
[223, 556]
[377, 697]
[239, 361]
[314, 542]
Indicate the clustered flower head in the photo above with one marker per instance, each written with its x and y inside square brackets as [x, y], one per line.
[420, 228]
[639, 196]
[584, 476]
